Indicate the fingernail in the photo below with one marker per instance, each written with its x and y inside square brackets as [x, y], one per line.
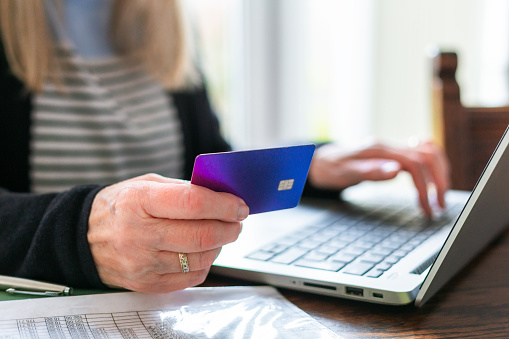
[390, 166]
[243, 211]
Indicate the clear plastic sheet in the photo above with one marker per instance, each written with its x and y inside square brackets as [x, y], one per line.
[216, 312]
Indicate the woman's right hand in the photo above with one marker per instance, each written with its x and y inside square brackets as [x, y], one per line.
[138, 227]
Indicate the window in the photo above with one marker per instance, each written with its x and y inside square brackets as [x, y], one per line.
[283, 71]
[216, 23]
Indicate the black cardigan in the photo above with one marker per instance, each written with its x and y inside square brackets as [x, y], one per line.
[45, 236]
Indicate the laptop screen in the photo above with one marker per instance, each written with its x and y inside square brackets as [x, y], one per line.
[484, 217]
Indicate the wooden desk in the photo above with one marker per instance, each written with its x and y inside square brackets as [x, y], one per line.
[475, 304]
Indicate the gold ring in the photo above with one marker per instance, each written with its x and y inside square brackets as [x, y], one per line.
[183, 262]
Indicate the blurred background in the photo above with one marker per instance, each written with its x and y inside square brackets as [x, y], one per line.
[283, 71]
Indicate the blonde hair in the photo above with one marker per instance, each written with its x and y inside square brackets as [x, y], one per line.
[153, 32]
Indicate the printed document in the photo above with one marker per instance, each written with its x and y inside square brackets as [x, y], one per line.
[213, 312]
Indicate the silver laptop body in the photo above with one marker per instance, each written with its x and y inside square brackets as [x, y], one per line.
[376, 246]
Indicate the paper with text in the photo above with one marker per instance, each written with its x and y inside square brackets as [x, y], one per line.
[218, 312]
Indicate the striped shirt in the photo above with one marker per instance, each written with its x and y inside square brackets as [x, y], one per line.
[104, 121]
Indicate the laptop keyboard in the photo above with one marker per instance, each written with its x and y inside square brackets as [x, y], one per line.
[357, 242]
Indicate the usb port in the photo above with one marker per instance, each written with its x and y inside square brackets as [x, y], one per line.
[354, 291]
[378, 295]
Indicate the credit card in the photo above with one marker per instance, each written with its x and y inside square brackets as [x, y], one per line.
[266, 179]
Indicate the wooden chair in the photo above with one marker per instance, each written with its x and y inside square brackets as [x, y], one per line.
[469, 135]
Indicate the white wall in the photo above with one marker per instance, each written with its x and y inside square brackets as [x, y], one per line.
[404, 31]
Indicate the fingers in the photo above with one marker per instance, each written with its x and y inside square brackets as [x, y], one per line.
[165, 283]
[156, 283]
[438, 168]
[410, 162]
[419, 176]
[187, 201]
[131, 258]
[332, 168]
[426, 164]
[430, 171]
[186, 236]
[377, 169]
[156, 178]
[164, 262]
[159, 271]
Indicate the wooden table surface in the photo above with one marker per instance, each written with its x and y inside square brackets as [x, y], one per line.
[474, 304]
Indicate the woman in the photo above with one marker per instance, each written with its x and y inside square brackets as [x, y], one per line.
[94, 95]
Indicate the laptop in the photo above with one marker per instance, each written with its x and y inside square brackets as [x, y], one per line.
[375, 245]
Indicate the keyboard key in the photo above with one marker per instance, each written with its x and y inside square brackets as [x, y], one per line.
[356, 232]
[319, 237]
[347, 221]
[327, 249]
[338, 228]
[384, 266]
[309, 243]
[322, 265]
[365, 226]
[346, 237]
[343, 257]
[392, 259]
[407, 247]
[374, 273]
[261, 255]
[371, 258]
[289, 255]
[381, 232]
[357, 268]
[328, 232]
[386, 229]
[339, 244]
[390, 245]
[407, 234]
[354, 250]
[374, 238]
[424, 235]
[414, 242]
[305, 232]
[316, 256]
[378, 250]
[397, 239]
[399, 253]
[363, 244]
[274, 248]
[267, 248]
[288, 241]
[414, 228]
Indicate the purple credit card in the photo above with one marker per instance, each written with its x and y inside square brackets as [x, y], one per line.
[266, 179]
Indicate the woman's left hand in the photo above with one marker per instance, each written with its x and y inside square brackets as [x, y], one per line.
[336, 168]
